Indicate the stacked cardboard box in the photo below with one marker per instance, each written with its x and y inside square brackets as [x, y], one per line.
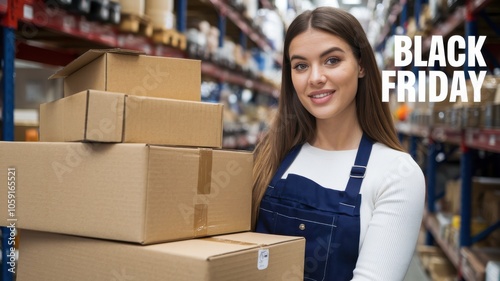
[117, 164]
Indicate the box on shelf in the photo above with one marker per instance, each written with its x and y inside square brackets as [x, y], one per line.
[425, 253]
[243, 256]
[452, 196]
[490, 117]
[441, 269]
[162, 19]
[133, 7]
[491, 213]
[128, 192]
[488, 91]
[99, 116]
[132, 72]
[436, 263]
[471, 116]
[480, 187]
[438, 117]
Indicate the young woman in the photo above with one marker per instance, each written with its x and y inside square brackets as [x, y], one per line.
[331, 168]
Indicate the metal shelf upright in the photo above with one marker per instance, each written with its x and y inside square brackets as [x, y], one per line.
[9, 25]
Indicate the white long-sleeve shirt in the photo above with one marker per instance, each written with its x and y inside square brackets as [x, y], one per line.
[392, 203]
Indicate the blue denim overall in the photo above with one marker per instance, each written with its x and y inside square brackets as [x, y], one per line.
[327, 218]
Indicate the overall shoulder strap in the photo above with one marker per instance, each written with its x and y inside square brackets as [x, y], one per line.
[358, 170]
[292, 154]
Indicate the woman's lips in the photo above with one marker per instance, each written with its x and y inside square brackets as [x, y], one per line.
[321, 97]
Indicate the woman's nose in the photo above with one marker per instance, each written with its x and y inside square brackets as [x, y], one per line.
[317, 77]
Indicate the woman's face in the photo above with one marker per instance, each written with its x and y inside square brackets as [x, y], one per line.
[324, 74]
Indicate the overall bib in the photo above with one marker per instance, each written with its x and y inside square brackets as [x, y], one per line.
[327, 218]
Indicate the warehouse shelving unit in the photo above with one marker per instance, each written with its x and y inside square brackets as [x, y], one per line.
[467, 139]
[34, 31]
[462, 20]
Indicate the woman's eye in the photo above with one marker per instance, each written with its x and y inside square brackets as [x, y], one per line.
[332, 60]
[300, 66]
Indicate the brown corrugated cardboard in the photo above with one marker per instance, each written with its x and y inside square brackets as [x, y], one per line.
[99, 116]
[129, 192]
[133, 73]
[242, 256]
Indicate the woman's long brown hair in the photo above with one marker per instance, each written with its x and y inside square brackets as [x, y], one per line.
[293, 125]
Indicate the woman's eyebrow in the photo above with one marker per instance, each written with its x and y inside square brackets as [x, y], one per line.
[331, 50]
[297, 57]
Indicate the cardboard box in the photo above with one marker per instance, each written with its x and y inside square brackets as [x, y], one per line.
[128, 192]
[133, 7]
[242, 256]
[481, 185]
[452, 196]
[131, 72]
[491, 214]
[113, 117]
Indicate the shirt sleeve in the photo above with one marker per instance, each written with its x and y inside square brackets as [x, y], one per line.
[393, 229]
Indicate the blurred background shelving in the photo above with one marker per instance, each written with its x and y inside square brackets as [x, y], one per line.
[455, 143]
[240, 45]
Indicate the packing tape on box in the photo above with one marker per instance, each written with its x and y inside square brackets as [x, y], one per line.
[200, 220]
[204, 188]
[205, 171]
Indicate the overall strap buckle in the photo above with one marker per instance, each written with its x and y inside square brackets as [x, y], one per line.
[358, 171]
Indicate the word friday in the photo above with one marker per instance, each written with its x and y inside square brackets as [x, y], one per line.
[432, 80]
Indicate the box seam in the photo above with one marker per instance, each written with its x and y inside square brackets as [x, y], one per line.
[106, 59]
[146, 197]
[221, 135]
[85, 125]
[253, 247]
[125, 98]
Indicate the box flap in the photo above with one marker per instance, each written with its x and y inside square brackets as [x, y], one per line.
[105, 116]
[258, 238]
[222, 245]
[64, 119]
[248, 240]
[88, 57]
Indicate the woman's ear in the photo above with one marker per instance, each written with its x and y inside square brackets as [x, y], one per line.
[361, 73]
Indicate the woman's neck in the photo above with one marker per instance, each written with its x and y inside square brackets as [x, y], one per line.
[338, 134]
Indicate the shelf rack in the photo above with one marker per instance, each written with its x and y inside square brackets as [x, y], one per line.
[451, 252]
[467, 139]
[462, 20]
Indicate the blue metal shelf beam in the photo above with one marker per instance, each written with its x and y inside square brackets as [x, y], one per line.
[465, 197]
[221, 24]
[181, 15]
[431, 186]
[8, 56]
[403, 17]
